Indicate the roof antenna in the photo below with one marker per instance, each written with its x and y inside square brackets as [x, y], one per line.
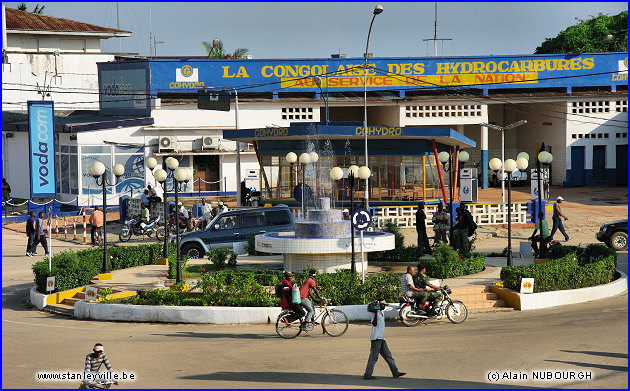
[435, 38]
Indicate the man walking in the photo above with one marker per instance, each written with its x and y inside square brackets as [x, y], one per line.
[440, 222]
[96, 219]
[379, 346]
[40, 236]
[557, 221]
[421, 229]
[30, 233]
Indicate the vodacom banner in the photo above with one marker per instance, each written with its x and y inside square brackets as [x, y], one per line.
[41, 129]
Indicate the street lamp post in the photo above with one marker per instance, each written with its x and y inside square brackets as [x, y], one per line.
[445, 157]
[353, 172]
[97, 170]
[377, 10]
[305, 159]
[182, 175]
[169, 165]
[503, 129]
[318, 83]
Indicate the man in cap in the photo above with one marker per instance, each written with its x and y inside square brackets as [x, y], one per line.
[557, 221]
[94, 360]
[183, 213]
[222, 208]
[206, 212]
[379, 346]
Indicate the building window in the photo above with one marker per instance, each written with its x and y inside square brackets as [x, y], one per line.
[297, 113]
[600, 106]
[621, 106]
[443, 111]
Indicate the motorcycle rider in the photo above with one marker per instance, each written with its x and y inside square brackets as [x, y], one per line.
[144, 215]
[434, 296]
[546, 237]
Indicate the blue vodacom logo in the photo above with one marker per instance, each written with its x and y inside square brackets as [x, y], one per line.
[42, 148]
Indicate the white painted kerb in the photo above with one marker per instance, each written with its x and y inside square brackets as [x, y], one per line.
[534, 301]
[38, 299]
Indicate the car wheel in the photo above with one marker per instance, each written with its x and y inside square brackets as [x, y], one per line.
[193, 251]
[619, 241]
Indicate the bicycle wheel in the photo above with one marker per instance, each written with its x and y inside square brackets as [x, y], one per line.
[159, 234]
[456, 312]
[335, 323]
[287, 329]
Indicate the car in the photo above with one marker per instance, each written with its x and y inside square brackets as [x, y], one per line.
[231, 229]
[614, 234]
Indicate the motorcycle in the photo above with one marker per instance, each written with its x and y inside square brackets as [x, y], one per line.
[411, 315]
[183, 227]
[134, 226]
[546, 248]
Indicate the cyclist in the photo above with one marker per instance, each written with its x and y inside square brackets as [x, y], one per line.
[422, 282]
[305, 292]
[93, 362]
[286, 303]
[96, 219]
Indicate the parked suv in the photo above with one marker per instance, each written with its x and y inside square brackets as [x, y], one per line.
[614, 234]
[230, 229]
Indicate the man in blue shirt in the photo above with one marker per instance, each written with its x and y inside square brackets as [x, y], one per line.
[144, 198]
[40, 236]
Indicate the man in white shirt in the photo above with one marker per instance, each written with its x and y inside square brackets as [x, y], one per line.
[407, 288]
[206, 212]
[379, 346]
[183, 213]
[222, 208]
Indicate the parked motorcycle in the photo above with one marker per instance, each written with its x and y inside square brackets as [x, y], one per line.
[183, 227]
[411, 314]
[134, 226]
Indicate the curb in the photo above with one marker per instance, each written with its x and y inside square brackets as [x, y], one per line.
[534, 301]
[200, 314]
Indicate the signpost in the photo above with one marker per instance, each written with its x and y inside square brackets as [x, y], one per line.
[361, 220]
[527, 285]
[50, 284]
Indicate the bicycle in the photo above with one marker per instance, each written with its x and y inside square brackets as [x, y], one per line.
[334, 322]
[98, 237]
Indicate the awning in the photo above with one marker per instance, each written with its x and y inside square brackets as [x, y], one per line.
[344, 131]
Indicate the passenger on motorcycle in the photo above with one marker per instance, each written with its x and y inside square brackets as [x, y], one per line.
[305, 292]
[144, 215]
[434, 296]
[183, 213]
[286, 303]
[407, 288]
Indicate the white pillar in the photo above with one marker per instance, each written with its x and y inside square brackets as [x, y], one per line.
[484, 157]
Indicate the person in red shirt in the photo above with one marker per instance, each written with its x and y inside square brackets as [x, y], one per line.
[286, 302]
[305, 291]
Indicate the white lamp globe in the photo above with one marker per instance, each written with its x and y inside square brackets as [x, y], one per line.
[364, 172]
[336, 173]
[522, 163]
[353, 170]
[118, 170]
[172, 163]
[510, 165]
[97, 169]
[305, 158]
[291, 157]
[545, 157]
[495, 164]
[464, 156]
[151, 163]
[181, 174]
[160, 175]
[314, 157]
[523, 155]
[549, 158]
[443, 157]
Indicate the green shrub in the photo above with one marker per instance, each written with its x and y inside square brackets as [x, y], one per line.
[448, 263]
[232, 258]
[218, 256]
[74, 269]
[558, 252]
[561, 274]
[594, 252]
[172, 264]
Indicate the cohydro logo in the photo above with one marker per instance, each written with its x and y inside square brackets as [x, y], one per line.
[187, 71]
[42, 153]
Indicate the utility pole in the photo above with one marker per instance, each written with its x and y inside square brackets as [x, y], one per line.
[435, 38]
[118, 26]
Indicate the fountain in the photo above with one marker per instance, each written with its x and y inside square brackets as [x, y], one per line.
[322, 242]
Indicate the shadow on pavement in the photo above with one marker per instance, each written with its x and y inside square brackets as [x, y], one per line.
[340, 380]
[589, 365]
[190, 334]
[17, 297]
[604, 354]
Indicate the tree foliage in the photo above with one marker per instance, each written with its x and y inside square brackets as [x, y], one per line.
[37, 10]
[589, 36]
[215, 50]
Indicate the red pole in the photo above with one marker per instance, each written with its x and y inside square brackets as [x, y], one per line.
[437, 161]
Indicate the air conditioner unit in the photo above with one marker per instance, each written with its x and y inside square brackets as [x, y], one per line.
[167, 143]
[209, 142]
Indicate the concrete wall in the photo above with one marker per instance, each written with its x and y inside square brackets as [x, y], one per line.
[15, 167]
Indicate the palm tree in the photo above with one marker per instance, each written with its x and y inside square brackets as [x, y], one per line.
[215, 50]
[37, 10]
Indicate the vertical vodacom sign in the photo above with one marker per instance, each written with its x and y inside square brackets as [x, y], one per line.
[41, 137]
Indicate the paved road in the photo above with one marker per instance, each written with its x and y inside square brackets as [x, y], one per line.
[587, 338]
